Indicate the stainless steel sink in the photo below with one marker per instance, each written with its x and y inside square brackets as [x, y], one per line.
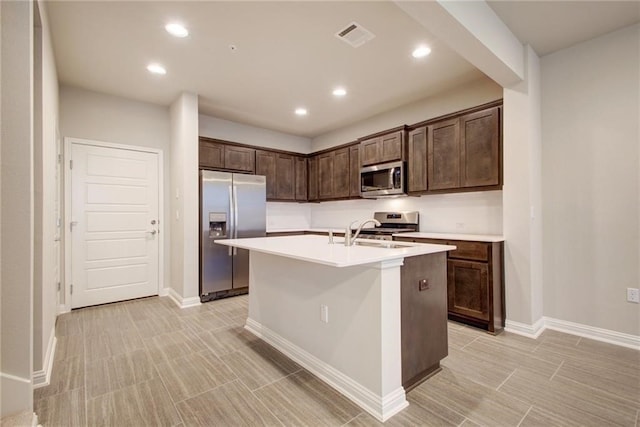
[380, 244]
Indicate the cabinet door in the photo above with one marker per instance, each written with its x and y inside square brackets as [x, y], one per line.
[325, 176]
[313, 178]
[211, 155]
[354, 171]
[370, 151]
[391, 147]
[443, 155]
[417, 156]
[468, 288]
[266, 165]
[285, 177]
[480, 148]
[301, 178]
[240, 158]
[341, 175]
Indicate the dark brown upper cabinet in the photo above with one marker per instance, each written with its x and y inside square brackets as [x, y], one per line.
[383, 147]
[354, 171]
[334, 178]
[480, 148]
[280, 171]
[217, 155]
[443, 155]
[266, 165]
[313, 179]
[301, 179]
[417, 156]
[463, 152]
[285, 177]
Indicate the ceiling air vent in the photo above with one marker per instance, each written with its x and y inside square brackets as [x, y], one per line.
[355, 35]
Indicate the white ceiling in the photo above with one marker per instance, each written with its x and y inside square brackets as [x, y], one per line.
[287, 55]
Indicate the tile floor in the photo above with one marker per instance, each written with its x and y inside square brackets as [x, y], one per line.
[147, 362]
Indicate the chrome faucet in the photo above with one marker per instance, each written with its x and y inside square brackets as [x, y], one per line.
[348, 239]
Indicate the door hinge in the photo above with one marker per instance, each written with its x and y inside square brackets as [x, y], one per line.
[58, 286]
[59, 158]
[70, 289]
[71, 164]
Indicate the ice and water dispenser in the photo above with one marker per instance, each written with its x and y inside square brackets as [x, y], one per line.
[217, 225]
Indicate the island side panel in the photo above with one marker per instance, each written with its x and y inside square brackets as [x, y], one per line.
[424, 317]
[361, 339]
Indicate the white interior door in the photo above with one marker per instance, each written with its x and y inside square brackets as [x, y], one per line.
[114, 224]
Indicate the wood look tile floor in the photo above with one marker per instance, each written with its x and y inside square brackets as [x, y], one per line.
[147, 362]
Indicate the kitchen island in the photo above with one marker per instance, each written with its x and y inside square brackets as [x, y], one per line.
[337, 310]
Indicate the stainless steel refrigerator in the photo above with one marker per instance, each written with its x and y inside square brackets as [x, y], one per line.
[232, 206]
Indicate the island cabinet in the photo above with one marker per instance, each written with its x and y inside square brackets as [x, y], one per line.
[383, 147]
[423, 311]
[333, 174]
[475, 284]
[217, 155]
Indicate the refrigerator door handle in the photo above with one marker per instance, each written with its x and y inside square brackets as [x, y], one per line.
[231, 222]
[235, 216]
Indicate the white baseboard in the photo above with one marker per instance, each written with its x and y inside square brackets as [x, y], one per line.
[591, 332]
[42, 378]
[598, 334]
[529, 331]
[381, 407]
[183, 302]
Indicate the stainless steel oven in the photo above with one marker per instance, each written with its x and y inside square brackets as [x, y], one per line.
[383, 180]
[391, 223]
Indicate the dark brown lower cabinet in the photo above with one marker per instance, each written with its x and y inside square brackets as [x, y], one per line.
[475, 282]
[423, 316]
[469, 294]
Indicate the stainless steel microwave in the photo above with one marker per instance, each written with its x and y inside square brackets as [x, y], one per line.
[383, 180]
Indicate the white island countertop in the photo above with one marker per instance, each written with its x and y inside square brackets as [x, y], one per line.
[317, 249]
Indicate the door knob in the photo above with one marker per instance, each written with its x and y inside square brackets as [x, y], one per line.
[153, 222]
[152, 232]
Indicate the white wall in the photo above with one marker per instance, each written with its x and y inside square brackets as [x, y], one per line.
[16, 192]
[46, 248]
[282, 216]
[522, 199]
[590, 158]
[97, 116]
[214, 127]
[466, 96]
[184, 200]
[474, 213]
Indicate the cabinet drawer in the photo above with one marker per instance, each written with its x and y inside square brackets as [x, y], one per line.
[477, 251]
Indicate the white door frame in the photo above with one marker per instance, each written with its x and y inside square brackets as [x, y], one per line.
[68, 141]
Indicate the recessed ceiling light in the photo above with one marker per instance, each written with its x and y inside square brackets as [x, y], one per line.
[177, 30]
[301, 111]
[339, 91]
[156, 69]
[421, 52]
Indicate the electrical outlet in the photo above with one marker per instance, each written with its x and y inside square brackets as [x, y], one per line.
[633, 295]
[324, 313]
